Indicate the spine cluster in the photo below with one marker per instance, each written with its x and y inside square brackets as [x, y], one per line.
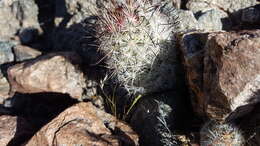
[221, 134]
[137, 38]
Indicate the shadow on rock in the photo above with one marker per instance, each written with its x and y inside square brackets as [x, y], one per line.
[247, 18]
[34, 111]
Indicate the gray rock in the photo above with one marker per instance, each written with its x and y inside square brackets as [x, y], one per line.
[70, 16]
[6, 54]
[229, 6]
[24, 53]
[187, 21]
[75, 11]
[15, 15]
[213, 20]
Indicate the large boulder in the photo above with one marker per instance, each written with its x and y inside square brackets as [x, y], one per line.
[84, 124]
[222, 70]
[55, 72]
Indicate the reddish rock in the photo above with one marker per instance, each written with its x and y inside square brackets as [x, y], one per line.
[84, 124]
[223, 70]
[231, 71]
[55, 72]
[192, 47]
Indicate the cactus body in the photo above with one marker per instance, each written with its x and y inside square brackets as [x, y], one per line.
[220, 134]
[137, 38]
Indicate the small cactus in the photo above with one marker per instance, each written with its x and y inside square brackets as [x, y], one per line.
[137, 38]
[220, 134]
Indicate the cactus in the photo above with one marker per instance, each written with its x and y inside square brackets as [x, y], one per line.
[221, 134]
[137, 38]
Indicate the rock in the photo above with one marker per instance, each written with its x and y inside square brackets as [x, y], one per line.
[27, 35]
[4, 89]
[55, 72]
[213, 20]
[251, 15]
[187, 20]
[24, 53]
[84, 124]
[8, 128]
[222, 70]
[6, 54]
[231, 71]
[13, 127]
[15, 15]
[75, 10]
[192, 47]
[229, 6]
[71, 18]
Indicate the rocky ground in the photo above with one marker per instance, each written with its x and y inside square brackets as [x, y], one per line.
[52, 89]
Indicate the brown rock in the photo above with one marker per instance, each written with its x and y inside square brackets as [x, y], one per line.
[231, 71]
[24, 53]
[223, 70]
[84, 124]
[55, 72]
[192, 47]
